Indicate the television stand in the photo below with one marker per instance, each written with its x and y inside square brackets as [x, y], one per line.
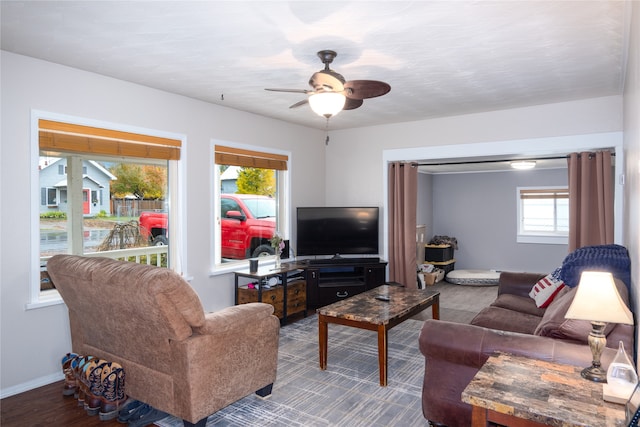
[331, 280]
[341, 260]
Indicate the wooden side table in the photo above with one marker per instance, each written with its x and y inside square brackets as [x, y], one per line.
[287, 298]
[518, 391]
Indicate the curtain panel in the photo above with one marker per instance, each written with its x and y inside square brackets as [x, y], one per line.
[403, 194]
[591, 189]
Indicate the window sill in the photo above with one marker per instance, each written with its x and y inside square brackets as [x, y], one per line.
[220, 270]
[231, 267]
[45, 299]
[543, 240]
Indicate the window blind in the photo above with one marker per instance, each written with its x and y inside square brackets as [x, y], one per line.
[249, 158]
[544, 194]
[72, 138]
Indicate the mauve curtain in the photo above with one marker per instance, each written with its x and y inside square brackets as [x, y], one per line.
[403, 195]
[590, 199]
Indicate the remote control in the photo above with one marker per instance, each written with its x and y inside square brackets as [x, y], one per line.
[383, 298]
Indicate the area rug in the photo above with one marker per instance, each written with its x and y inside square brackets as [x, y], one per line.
[348, 393]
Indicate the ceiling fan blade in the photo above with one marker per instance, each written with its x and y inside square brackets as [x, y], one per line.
[325, 81]
[363, 89]
[299, 103]
[290, 90]
[329, 81]
[352, 104]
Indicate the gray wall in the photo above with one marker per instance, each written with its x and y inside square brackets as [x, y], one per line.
[424, 214]
[479, 209]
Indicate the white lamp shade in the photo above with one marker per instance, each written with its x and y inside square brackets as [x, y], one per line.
[327, 104]
[597, 300]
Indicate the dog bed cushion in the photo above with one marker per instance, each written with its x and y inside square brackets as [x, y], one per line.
[473, 277]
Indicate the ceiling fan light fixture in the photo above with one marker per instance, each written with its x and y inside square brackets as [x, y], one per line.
[327, 104]
[523, 164]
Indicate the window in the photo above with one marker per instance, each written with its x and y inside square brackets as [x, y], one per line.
[250, 202]
[543, 215]
[95, 183]
[227, 205]
[49, 196]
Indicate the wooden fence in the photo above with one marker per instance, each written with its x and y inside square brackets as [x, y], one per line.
[133, 207]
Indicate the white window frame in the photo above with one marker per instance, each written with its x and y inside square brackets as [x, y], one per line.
[283, 205]
[47, 201]
[175, 197]
[552, 238]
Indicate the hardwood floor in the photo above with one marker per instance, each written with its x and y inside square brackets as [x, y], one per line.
[46, 406]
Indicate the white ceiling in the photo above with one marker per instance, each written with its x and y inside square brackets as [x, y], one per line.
[441, 58]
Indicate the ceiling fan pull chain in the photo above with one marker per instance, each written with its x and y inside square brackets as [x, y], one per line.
[326, 141]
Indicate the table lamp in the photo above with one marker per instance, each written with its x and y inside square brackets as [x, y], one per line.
[598, 301]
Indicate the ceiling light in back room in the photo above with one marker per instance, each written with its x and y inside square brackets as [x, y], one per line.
[523, 164]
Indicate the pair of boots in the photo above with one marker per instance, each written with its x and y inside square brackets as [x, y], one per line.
[96, 383]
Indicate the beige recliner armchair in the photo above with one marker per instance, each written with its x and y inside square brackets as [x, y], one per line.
[176, 358]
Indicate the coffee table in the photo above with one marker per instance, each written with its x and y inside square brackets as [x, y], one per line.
[364, 311]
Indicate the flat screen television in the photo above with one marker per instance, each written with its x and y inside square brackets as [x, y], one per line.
[337, 231]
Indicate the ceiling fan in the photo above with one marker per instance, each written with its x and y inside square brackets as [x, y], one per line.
[331, 93]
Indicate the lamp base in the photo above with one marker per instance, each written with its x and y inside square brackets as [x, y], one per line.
[597, 341]
[595, 374]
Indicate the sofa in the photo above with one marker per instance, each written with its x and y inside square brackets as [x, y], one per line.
[175, 357]
[513, 324]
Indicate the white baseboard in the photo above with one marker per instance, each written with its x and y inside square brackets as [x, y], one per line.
[30, 385]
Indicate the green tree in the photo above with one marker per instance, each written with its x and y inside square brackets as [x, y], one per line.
[256, 181]
[143, 181]
[156, 179]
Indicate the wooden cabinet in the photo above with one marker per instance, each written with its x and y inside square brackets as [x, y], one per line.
[296, 297]
[375, 275]
[273, 296]
[285, 289]
[297, 286]
[330, 282]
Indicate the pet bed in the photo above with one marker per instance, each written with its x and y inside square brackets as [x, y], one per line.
[473, 277]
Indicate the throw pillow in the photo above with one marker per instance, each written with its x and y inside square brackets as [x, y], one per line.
[546, 289]
[554, 325]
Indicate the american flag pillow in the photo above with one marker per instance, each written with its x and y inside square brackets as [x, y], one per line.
[547, 288]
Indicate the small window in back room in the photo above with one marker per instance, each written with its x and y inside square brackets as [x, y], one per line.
[543, 215]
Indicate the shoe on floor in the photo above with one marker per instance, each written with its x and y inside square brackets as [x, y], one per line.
[147, 415]
[128, 411]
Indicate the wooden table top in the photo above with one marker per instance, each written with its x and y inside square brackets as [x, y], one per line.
[544, 392]
[365, 307]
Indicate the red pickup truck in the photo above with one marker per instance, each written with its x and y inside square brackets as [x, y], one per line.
[247, 222]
